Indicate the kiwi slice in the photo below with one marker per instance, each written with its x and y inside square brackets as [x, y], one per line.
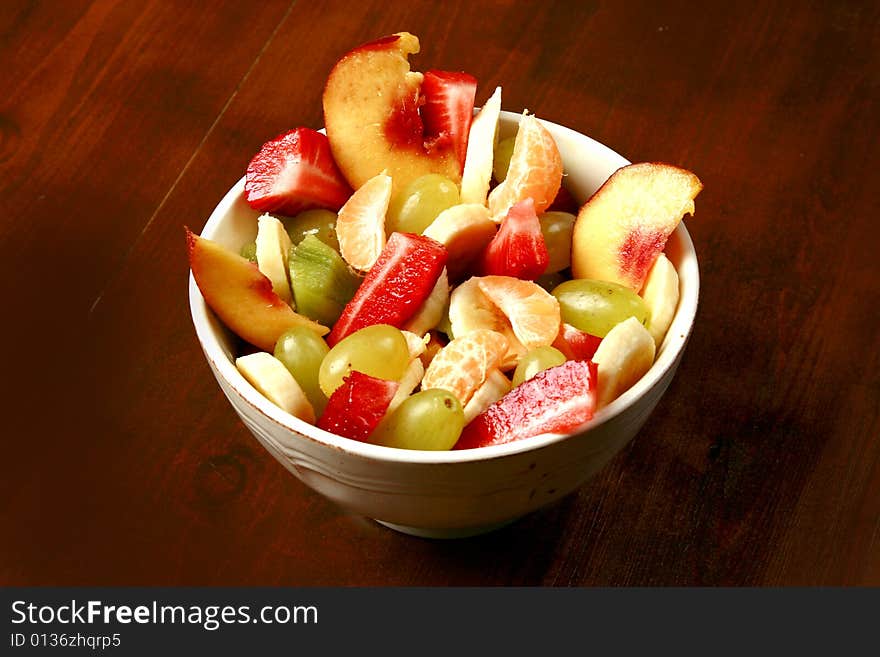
[322, 283]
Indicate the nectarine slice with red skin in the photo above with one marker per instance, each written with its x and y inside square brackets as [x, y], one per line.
[241, 296]
[556, 400]
[371, 114]
[622, 229]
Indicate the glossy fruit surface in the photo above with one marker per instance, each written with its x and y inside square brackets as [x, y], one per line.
[419, 203]
[379, 350]
[518, 248]
[430, 419]
[449, 108]
[395, 287]
[302, 351]
[556, 400]
[357, 406]
[598, 306]
[294, 172]
[534, 361]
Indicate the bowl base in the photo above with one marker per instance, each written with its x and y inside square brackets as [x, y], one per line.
[446, 532]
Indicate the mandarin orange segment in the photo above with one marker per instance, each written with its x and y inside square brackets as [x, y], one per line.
[462, 366]
[360, 226]
[471, 310]
[533, 313]
[535, 170]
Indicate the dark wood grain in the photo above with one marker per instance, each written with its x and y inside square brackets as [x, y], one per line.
[121, 122]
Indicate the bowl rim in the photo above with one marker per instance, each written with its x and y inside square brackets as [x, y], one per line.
[669, 351]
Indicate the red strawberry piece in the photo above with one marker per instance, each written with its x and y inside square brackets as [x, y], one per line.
[576, 344]
[295, 172]
[396, 285]
[518, 248]
[556, 400]
[356, 407]
[448, 109]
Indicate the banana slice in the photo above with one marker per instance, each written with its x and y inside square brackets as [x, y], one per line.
[431, 311]
[273, 248]
[412, 376]
[417, 344]
[275, 382]
[494, 388]
[482, 139]
[661, 296]
[465, 230]
[623, 357]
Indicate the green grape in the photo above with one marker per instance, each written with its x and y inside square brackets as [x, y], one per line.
[597, 306]
[249, 251]
[379, 350]
[501, 158]
[302, 351]
[534, 361]
[320, 223]
[430, 419]
[557, 227]
[419, 203]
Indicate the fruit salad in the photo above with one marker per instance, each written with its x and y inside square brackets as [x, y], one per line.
[417, 282]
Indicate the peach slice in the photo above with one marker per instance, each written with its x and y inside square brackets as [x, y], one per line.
[241, 296]
[371, 114]
[623, 227]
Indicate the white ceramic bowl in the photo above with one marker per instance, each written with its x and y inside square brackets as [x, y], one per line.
[454, 493]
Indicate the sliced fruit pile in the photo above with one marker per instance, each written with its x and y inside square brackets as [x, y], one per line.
[418, 283]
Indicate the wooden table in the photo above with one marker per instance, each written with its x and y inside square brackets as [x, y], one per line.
[122, 121]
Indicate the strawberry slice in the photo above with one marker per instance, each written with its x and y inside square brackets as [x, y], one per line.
[396, 285]
[356, 407]
[448, 109]
[518, 248]
[576, 344]
[295, 172]
[556, 400]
